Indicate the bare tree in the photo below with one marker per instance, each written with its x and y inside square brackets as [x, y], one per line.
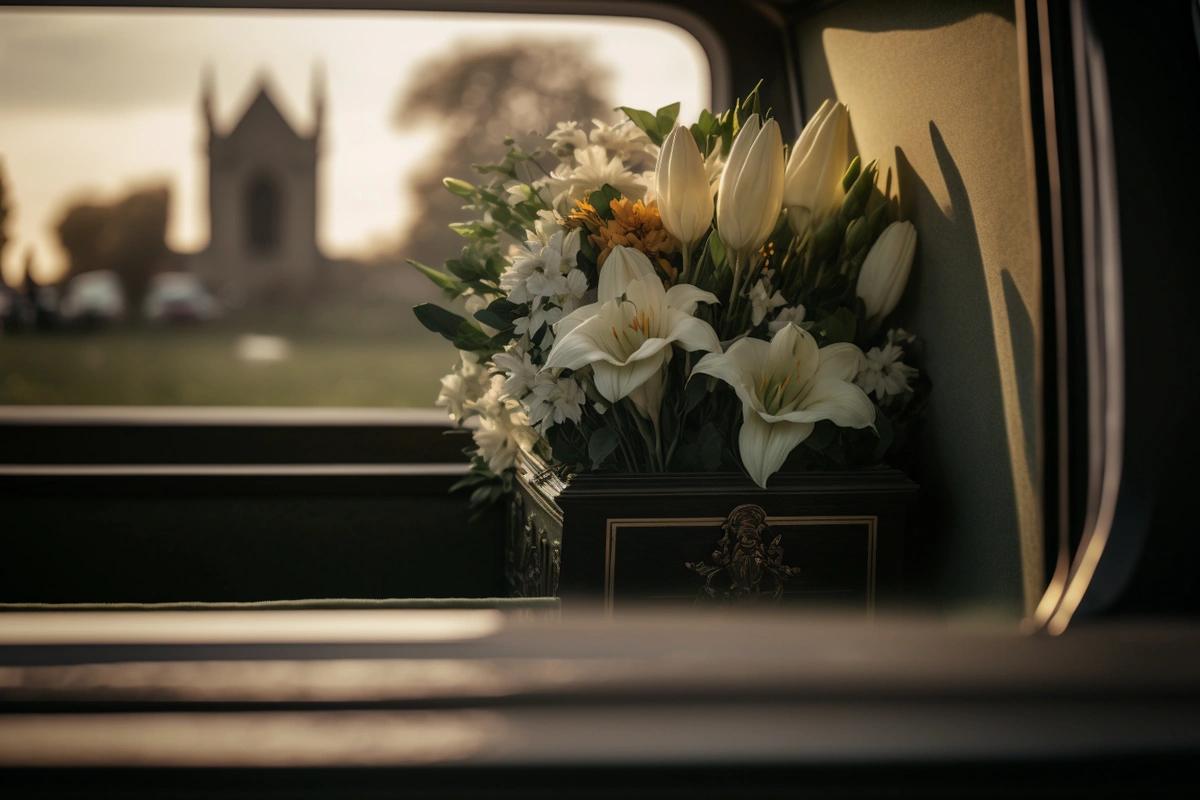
[477, 97]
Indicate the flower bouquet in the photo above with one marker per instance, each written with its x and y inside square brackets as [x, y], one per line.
[647, 297]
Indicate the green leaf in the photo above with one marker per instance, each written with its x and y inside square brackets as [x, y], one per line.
[506, 309]
[492, 319]
[601, 445]
[710, 448]
[839, 326]
[697, 390]
[601, 200]
[877, 220]
[645, 120]
[716, 249]
[439, 320]
[484, 495]
[472, 479]
[704, 130]
[824, 432]
[445, 282]
[461, 333]
[887, 434]
[665, 118]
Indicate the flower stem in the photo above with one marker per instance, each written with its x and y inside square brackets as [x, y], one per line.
[737, 274]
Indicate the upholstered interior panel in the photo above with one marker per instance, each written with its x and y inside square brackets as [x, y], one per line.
[936, 94]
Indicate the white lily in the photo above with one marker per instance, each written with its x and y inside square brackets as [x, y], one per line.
[626, 336]
[681, 185]
[751, 193]
[813, 179]
[786, 386]
[885, 269]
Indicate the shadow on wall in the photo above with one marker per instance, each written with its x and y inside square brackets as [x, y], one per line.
[966, 447]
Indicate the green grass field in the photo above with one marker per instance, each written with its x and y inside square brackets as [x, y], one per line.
[347, 357]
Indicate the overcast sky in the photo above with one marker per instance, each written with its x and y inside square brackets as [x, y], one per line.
[92, 102]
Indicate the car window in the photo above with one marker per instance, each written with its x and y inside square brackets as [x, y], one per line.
[216, 207]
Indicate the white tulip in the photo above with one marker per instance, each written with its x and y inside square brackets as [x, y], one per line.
[626, 336]
[885, 270]
[813, 179]
[681, 184]
[751, 193]
[786, 386]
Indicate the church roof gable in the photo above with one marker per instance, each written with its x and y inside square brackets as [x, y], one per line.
[264, 114]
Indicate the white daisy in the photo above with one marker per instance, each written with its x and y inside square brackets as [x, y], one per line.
[762, 302]
[883, 374]
[793, 314]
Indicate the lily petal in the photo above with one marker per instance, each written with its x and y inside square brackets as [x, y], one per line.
[645, 350]
[764, 446]
[582, 347]
[738, 367]
[647, 293]
[685, 297]
[623, 266]
[842, 403]
[648, 397]
[615, 382]
[571, 321]
[841, 361]
[793, 351]
[691, 333]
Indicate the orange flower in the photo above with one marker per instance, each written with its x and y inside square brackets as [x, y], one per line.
[636, 225]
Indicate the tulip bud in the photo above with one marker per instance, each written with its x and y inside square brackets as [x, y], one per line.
[812, 182]
[857, 233]
[885, 270]
[681, 183]
[851, 174]
[751, 193]
[858, 194]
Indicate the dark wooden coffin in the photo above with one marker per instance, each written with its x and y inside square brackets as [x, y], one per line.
[823, 539]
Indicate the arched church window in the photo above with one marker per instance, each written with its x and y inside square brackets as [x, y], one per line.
[263, 211]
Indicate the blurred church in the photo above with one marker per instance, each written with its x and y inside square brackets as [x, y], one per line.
[262, 200]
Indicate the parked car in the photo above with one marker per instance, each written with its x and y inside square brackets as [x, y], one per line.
[179, 297]
[93, 297]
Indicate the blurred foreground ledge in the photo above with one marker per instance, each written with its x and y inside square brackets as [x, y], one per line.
[220, 695]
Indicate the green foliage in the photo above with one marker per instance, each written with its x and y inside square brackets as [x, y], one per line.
[447, 283]
[485, 487]
[655, 125]
[601, 444]
[601, 200]
[455, 329]
[840, 326]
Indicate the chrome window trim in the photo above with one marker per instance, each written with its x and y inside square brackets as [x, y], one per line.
[1103, 314]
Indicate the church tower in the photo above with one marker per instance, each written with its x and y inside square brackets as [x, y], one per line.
[262, 200]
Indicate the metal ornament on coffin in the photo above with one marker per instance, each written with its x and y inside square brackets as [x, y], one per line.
[532, 557]
[743, 562]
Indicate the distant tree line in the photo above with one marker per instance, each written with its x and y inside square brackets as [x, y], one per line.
[127, 235]
[5, 209]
